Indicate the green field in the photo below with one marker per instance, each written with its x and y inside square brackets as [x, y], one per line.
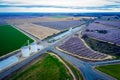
[49, 68]
[113, 70]
[11, 39]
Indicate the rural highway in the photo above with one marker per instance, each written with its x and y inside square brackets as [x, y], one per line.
[86, 68]
[89, 73]
[106, 62]
[21, 64]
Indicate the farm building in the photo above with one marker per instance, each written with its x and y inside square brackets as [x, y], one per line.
[25, 51]
[8, 62]
[60, 35]
[33, 47]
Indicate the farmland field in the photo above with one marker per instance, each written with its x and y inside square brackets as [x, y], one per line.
[61, 25]
[75, 46]
[22, 20]
[111, 35]
[49, 68]
[113, 70]
[103, 47]
[38, 31]
[115, 24]
[11, 39]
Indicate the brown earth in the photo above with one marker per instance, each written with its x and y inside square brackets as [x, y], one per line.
[39, 31]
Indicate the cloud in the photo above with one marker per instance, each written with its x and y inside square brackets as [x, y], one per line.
[71, 3]
[46, 9]
[60, 5]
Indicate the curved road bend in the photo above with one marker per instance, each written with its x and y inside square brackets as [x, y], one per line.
[87, 70]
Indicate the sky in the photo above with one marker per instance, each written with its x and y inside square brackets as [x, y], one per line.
[60, 6]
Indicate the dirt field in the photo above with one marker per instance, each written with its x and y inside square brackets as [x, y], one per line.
[39, 31]
[33, 20]
[40, 19]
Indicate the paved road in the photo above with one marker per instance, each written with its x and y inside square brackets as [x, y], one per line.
[21, 64]
[87, 70]
[106, 62]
